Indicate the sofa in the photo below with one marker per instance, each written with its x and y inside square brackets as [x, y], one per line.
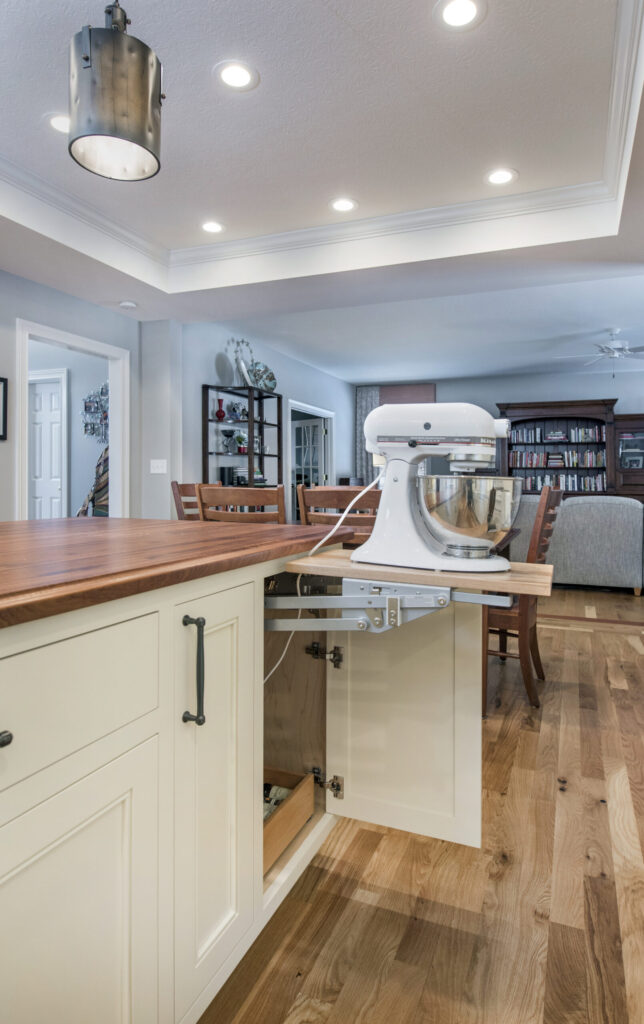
[597, 541]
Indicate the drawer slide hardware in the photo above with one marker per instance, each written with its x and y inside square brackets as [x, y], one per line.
[199, 718]
[372, 607]
[319, 652]
[335, 784]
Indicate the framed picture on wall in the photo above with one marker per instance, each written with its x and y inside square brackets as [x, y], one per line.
[3, 408]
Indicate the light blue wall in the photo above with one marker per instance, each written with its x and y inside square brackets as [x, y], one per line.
[86, 373]
[23, 299]
[203, 343]
[627, 387]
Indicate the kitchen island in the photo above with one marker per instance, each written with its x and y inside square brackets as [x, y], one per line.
[131, 845]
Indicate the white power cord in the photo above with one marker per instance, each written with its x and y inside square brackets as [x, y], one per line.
[312, 552]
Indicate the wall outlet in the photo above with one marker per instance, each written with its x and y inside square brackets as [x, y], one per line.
[158, 465]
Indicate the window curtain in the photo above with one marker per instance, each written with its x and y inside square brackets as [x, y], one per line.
[367, 398]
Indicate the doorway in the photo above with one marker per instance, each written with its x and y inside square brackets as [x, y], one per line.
[96, 372]
[310, 450]
[48, 486]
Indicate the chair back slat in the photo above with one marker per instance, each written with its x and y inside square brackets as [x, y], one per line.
[364, 521]
[544, 522]
[185, 501]
[226, 504]
[317, 504]
[336, 498]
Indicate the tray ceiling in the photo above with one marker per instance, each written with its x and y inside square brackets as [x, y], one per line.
[370, 99]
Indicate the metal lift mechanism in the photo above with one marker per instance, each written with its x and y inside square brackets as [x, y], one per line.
[374, 607]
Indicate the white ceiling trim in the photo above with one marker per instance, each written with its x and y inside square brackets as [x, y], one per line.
[580, 211]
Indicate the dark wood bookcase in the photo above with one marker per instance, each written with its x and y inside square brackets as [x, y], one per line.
[262, 425]
[629, 455]
[570, 445]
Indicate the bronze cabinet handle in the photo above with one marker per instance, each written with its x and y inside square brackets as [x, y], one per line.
[199, 718]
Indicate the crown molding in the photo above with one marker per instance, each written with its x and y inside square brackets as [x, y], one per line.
[61, 201]
[627, 81]
[496, 208]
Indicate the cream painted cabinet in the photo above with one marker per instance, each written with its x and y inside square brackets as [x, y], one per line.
[78, 899]
[214, 788]
[404, 726]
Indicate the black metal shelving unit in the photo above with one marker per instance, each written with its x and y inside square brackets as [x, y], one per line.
[264, 423]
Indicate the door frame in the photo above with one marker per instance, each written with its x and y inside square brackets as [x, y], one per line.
[119, 383]
[61, 377]
[312, 410]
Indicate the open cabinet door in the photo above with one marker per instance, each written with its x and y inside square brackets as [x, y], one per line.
[404, 726]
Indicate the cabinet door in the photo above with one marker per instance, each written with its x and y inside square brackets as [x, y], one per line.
[78, 900]
[214, 791]
[404, 726]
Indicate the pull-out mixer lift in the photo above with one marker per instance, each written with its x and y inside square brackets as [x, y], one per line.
[373, 606]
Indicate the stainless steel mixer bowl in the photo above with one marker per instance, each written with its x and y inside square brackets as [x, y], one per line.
[469, 515]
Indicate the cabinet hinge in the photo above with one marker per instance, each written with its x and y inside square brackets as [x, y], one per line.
[335, 783]
[319, 652]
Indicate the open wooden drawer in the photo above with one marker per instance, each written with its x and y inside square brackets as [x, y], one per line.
[291, 815]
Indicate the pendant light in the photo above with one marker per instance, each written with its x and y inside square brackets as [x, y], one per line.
[115, 101]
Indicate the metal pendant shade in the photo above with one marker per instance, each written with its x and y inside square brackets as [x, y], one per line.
[115, 101]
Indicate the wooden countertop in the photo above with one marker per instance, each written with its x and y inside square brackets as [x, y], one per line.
[54, 566]
[522, 578]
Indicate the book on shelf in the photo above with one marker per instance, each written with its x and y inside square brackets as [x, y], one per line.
[595, 484]
[568, 458]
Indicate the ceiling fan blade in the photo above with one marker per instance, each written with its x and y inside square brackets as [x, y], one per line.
[632, 354]
[569, 357]
[595, 360]
[637, 348]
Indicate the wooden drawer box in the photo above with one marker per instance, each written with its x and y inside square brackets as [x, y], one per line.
[287, 820]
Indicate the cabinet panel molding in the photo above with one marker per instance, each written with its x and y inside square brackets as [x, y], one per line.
[78, 882]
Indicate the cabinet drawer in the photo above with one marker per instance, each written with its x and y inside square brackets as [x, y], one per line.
[287, 819]
[58, 698]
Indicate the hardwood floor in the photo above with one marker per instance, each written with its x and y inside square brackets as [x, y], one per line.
[544, 924]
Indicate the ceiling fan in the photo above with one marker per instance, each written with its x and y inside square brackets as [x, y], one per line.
[612, 349]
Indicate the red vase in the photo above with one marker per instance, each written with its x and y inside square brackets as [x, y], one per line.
[220, 414]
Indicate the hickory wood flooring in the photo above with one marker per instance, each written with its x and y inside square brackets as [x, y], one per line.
[544, 924]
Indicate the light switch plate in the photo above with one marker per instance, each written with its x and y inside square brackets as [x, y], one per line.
[158, 465]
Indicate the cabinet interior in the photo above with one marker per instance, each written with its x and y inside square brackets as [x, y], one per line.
[294, 712]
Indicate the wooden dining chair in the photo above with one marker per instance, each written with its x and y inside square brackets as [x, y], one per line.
[322, 506]
[520, 621]
[227, 504]
[185, 500]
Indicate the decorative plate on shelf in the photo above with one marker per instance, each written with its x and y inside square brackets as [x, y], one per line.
[243, 369]
[263, 376]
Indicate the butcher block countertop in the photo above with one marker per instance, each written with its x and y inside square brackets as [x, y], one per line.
[54, 566]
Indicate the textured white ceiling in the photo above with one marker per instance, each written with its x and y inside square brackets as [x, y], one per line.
[370, 98]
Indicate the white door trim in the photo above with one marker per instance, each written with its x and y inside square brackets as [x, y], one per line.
[312, 410]
[119, 381]
[62, 377]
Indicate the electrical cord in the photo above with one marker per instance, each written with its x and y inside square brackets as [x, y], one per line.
[326, 537]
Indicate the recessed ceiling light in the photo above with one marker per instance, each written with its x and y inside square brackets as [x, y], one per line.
[236, 75]
[128, 304]
[213, 226]
[60, 122]
[460, 13]
[343, 205]
[502, 176]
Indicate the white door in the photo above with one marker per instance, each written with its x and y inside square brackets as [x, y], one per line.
[308, 455]
[214, 789]
[78, 882]
[404, 726]
[48, 446]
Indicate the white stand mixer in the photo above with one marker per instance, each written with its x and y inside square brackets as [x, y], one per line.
[421, 523]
